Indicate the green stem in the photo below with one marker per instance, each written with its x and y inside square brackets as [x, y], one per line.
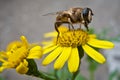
[91, 75]
[44, 76]
[33, 70]
[75, 74]
[55, 74]
[92, 66]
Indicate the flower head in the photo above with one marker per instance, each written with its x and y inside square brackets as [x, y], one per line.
[17, 53]
[65, 48]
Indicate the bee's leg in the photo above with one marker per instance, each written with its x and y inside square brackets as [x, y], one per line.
[86, 25]
[69, 26]
[70, 23]
[80, 25]
[57, 24]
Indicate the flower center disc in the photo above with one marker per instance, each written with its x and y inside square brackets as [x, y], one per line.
[72, 38]
[16, 56]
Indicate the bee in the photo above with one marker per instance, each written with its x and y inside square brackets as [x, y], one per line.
[74, 16]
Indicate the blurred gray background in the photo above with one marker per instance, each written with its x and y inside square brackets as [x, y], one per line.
[24, 17]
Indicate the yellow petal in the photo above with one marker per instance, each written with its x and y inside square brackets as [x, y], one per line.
[2, 68]
[3, 54]
[31, 45]
[22, 68]
[73, 61]
[6, 64]
[24, 41]
[100, 43]
[47, 42]
[50, 34]
[92, 36]
[25, 62]
[2, 60]
[61, 29]
[12, 44]
[62, 58]
[48, 45]
[47, 50]
[35, 53]
[52, 56]
[94, 54]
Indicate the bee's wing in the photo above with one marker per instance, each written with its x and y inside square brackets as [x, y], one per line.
[53, 13]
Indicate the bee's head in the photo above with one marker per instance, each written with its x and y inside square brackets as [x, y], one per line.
[87, 14]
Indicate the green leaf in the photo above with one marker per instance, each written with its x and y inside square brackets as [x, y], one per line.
[92, 64]
[62, 74]
[1, 78]
[65, 74]
[80, 77]
[112, 75]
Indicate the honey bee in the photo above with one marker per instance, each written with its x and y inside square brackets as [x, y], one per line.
[74, 16]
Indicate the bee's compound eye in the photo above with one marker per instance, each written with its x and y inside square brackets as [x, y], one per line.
[85, 11]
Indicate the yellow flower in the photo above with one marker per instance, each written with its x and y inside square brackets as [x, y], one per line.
[17, 53]
[65, 48]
